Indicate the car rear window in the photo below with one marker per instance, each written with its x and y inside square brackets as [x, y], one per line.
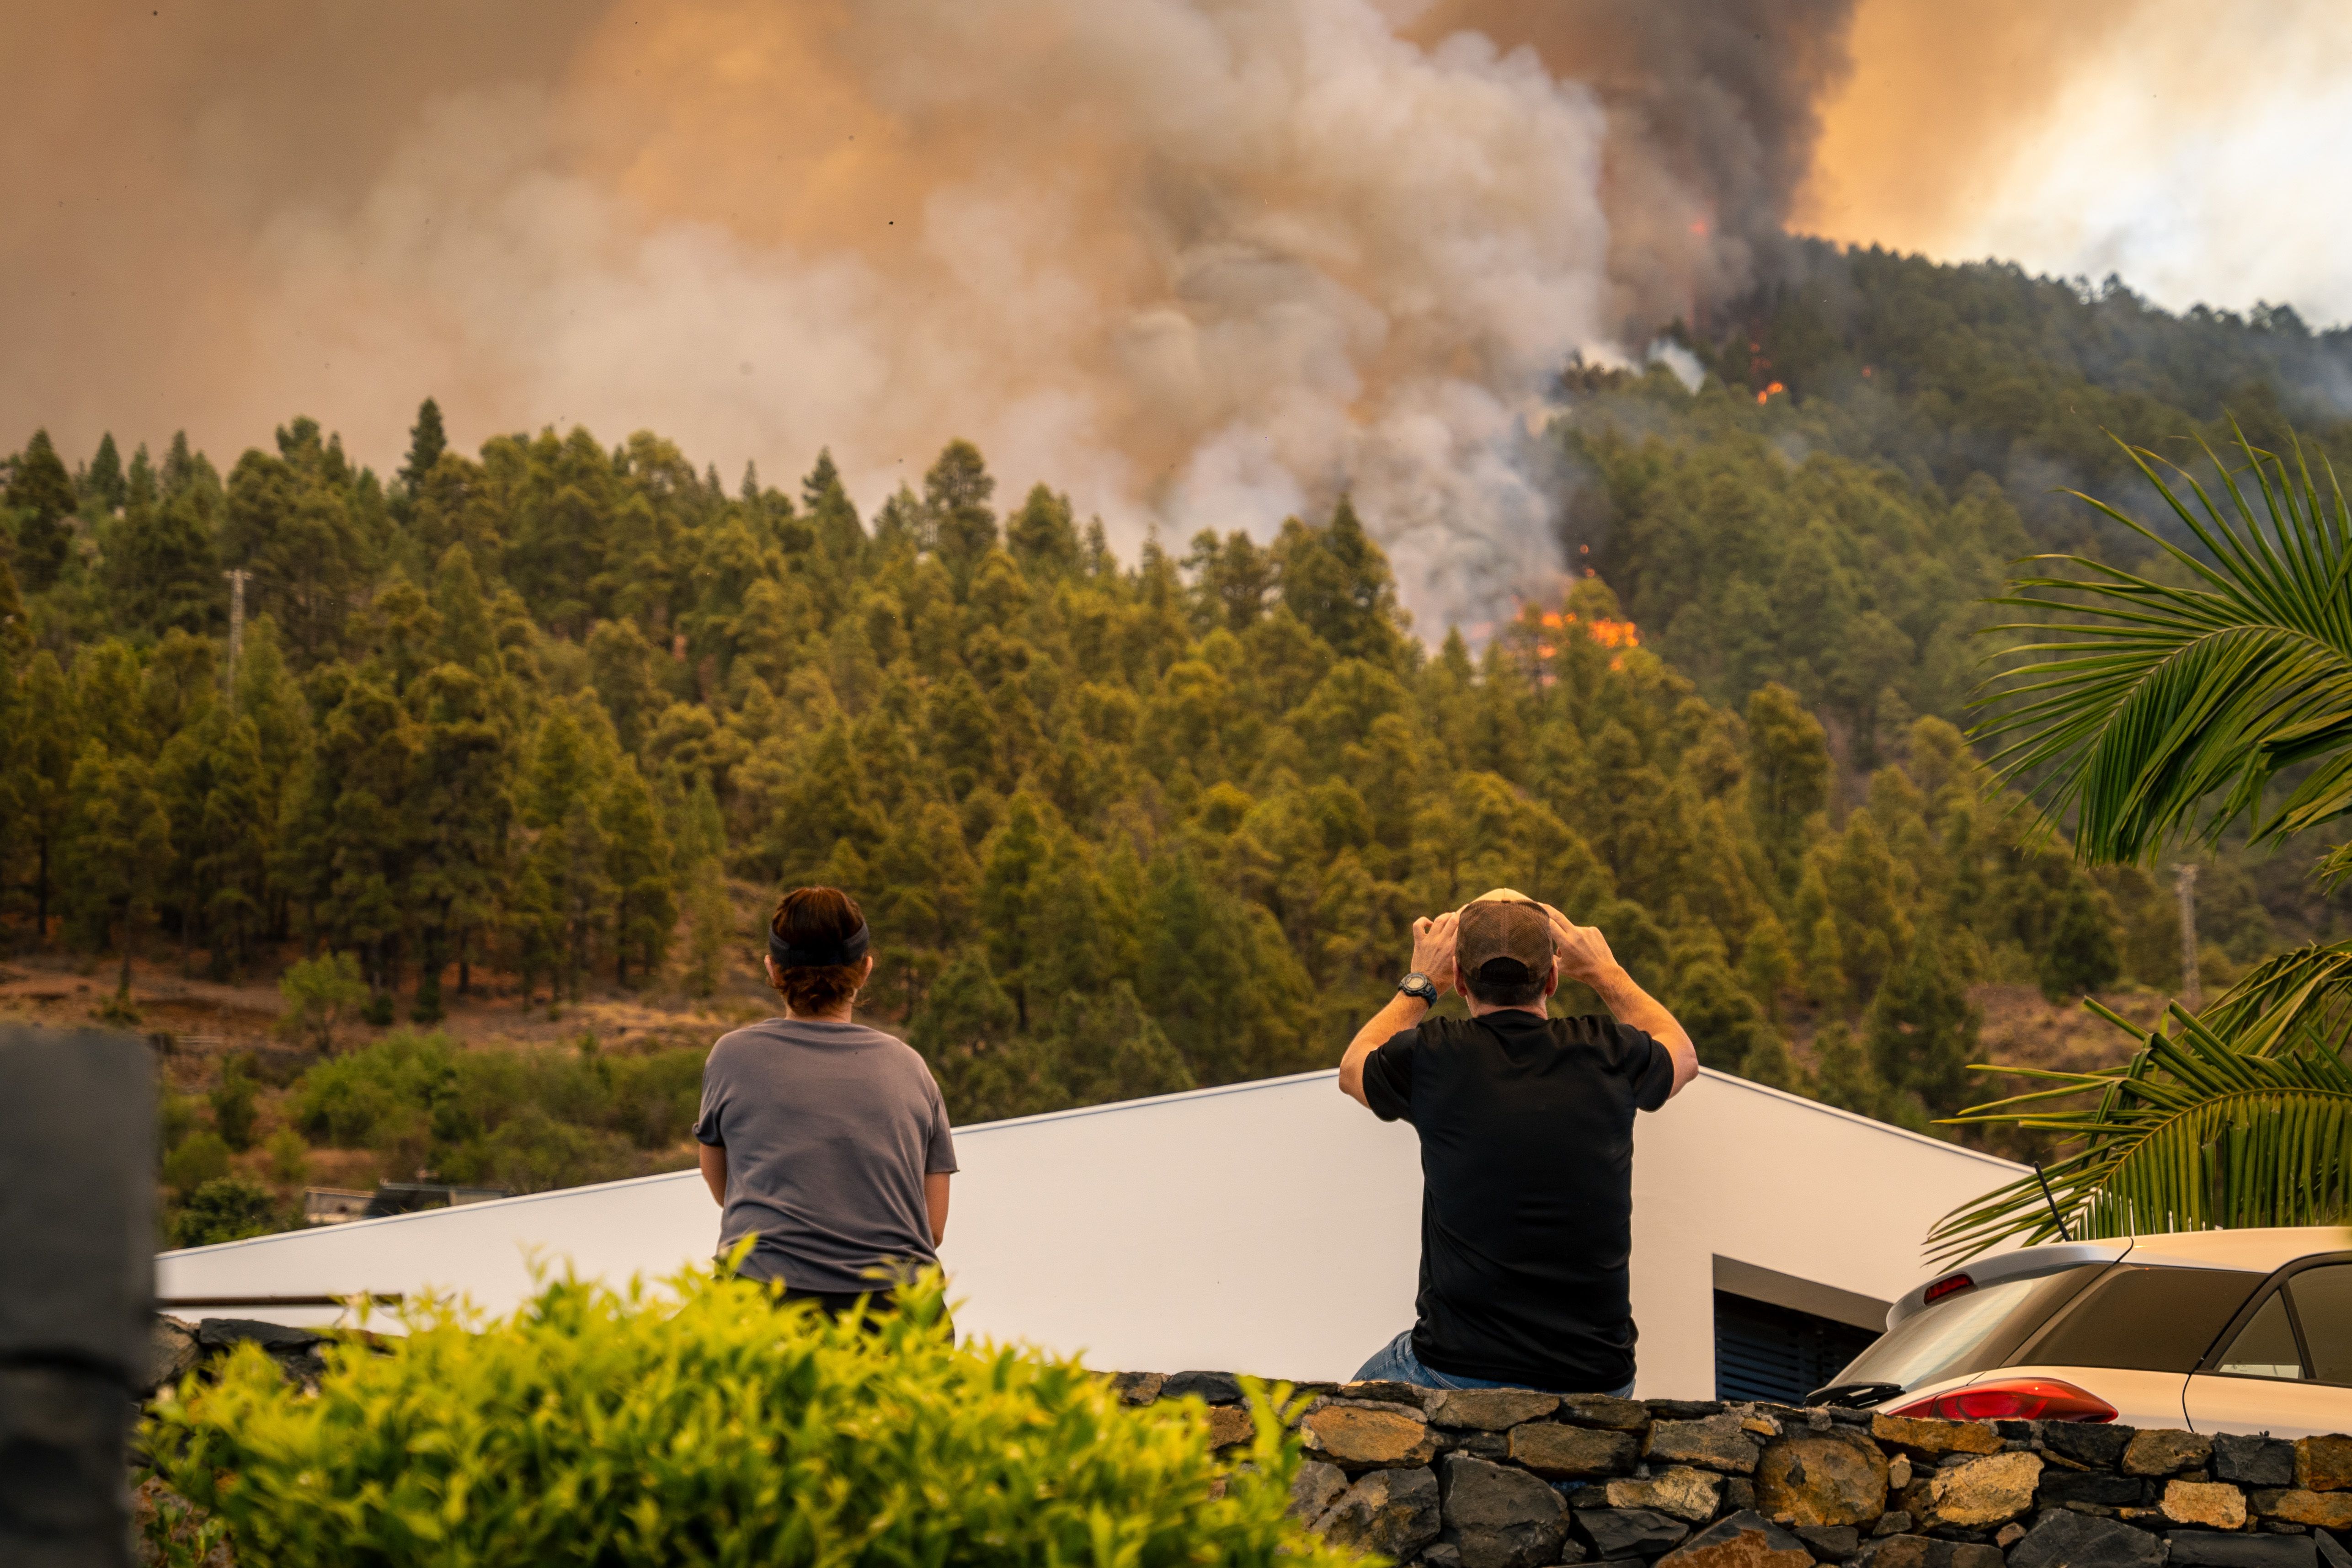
[2143, 1318]
[2323, 1302]
[1969, 1332]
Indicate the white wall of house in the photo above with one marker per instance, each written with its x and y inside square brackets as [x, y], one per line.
[1271, 1227]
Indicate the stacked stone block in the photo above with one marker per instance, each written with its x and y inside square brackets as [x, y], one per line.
[1505, 1479]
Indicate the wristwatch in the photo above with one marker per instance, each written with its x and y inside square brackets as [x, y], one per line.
[1419, 988]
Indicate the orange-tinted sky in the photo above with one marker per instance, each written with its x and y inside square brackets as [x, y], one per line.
[2195, 148]
[1199, 262]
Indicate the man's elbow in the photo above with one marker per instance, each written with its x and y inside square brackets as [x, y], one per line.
[1352, 1086]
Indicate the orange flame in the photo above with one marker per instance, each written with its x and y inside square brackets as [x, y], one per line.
[1602, 630]
[1767, 392]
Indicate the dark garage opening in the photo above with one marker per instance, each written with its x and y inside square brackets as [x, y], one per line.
[1777, 1353]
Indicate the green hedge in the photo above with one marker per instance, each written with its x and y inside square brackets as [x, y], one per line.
[529, 1120]
[709, 1426]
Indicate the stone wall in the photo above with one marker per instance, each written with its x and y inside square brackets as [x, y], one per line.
[1500, 1478]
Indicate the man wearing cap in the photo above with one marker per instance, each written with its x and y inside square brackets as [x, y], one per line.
[824, 1139]
[1527, 1147]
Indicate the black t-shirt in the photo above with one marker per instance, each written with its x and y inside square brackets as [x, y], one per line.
[1527, 1206]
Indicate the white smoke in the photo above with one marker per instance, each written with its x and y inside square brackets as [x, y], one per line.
[1203, 263]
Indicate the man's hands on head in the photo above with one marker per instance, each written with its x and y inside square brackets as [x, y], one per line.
[1432, 948]
[1432, 954]
[1582, 951]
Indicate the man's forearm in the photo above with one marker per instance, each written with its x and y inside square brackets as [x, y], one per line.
[1633, 1006]
[1402, 1013]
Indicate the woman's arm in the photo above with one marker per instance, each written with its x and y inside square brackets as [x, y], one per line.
[935, 1199]
[714, 1172]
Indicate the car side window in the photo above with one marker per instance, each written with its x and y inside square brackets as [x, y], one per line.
[2265, 1347]
[2322, 1304]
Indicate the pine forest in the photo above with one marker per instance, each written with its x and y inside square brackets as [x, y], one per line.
[428, 820]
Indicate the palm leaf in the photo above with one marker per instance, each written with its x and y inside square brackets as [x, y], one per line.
[2300, 999]
[2147, 712]
[2196, 1132]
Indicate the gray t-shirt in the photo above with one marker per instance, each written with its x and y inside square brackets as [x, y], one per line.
[829, 1129]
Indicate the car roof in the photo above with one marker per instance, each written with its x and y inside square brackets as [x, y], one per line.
[2255, 1250]
[2263, 1249]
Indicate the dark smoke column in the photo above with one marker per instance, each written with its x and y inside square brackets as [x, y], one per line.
[1712, 108]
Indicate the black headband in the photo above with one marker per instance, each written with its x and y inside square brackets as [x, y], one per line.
[1504, 969]
[828, 955]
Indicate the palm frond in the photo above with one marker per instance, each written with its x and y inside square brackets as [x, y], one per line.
[2196, 1132]
[2298, 999]
[2147, 712]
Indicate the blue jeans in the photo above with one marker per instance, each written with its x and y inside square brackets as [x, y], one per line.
[1395, 1362]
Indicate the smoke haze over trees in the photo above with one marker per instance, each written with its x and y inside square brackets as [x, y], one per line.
[1217, 263]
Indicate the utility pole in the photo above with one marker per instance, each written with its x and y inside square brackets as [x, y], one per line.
[2192, 989]
[236, 576]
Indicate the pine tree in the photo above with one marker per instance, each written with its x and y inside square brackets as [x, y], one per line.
[567, 851]
[41, 493]
[460, 813]
[1042, 536]
[465, 634]
[1787, 775]
[121, 840]
[159, 566]
[1922, 1029]
[637, 865]
[138, 481]
[1338, 581]
[955, 501]
[622, 664]
[219, 799]
[426, 442]
[104, 482]
[16, 626]
[713, 939]
[41, 765]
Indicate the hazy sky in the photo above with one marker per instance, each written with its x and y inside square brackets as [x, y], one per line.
[2199, 149]
[1199, 262]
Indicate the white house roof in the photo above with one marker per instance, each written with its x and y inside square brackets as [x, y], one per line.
[1269, 1227]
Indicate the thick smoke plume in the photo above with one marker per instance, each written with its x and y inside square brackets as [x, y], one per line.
[1202, 262]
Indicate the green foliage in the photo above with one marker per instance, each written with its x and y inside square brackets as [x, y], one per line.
[320, 994]
[233, 1102]
[289, 1163]
[198, 1159]
[554, 711]
[2198, 1130]
[706, 1424]
[2147, 712]
[41, 494]
[526, 1120]
[225, 1208]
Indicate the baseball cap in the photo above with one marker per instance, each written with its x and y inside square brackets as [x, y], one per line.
[1503, 941]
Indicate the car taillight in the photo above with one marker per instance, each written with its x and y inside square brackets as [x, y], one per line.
[2013, 1399]
[1949, 1285]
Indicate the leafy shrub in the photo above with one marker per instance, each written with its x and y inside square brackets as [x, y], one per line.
[714, 1427]
[200, 1157]
[526, 1120]
[289, 1158]
[228, 1208]
[233, 1102]
[321, 992]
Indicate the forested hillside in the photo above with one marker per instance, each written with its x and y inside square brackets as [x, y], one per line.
[547, 720]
